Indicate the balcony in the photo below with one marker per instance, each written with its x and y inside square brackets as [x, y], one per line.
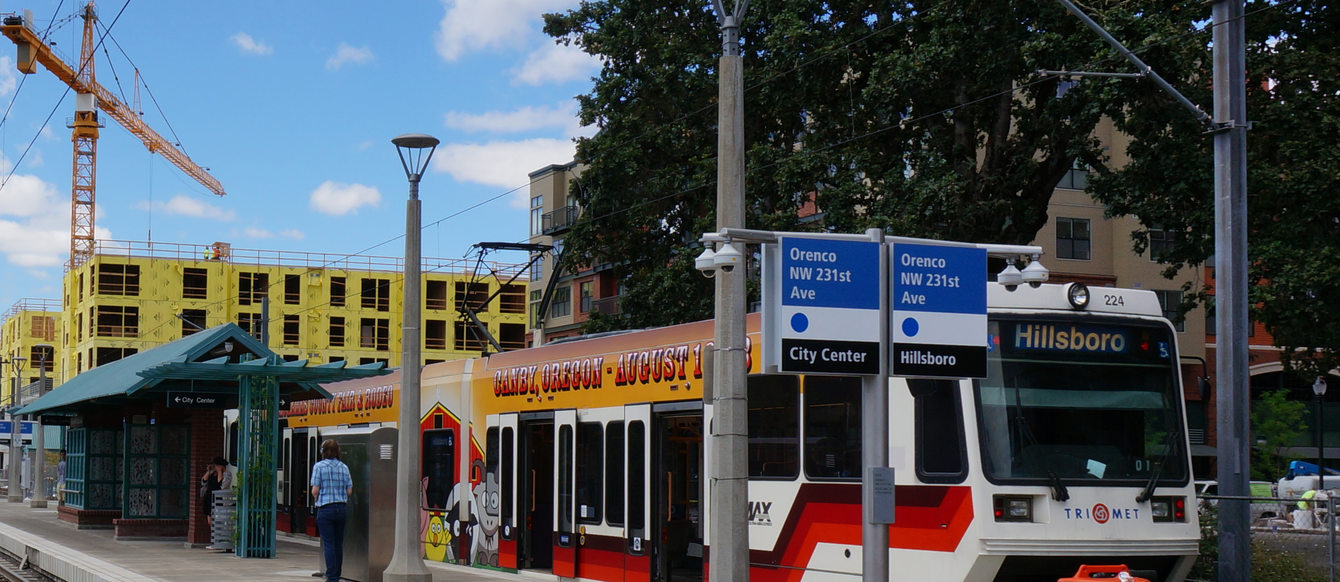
[559, 220]
[606, 305]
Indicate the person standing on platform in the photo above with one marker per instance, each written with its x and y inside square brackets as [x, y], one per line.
[331, 487]
[60, 479]
[216, 477]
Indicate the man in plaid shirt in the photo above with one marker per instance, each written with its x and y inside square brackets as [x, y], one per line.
[331, 487]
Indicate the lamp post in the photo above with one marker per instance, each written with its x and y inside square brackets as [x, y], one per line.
[15, 440]
[1319, 388]
[39, 500]
[415, 150]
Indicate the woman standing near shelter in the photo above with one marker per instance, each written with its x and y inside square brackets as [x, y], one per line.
[331, 487]
[216, 477]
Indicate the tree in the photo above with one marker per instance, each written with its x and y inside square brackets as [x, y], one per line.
[924, 118]
[1276, 423]
[1293, 220]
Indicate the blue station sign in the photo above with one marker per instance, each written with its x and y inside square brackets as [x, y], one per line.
[938, 311]
[7, 428]
[828, 306]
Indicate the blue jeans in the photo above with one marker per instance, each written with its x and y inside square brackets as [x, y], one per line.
[330, 520]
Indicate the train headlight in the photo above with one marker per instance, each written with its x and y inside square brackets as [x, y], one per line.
[1013, 508]
[1078, 295]
[1168, 509]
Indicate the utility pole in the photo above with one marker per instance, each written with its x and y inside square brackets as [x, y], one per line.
[1230, 287]
[729, 559]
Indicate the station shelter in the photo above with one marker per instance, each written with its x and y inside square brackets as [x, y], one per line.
[143, 429]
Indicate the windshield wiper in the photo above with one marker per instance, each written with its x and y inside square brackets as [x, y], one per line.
[1059, 491]
[1163, 462]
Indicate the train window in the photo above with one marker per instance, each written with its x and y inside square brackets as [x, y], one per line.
[505, 478]
[833, 427]
[774, 427]
[491, 459]
[637, 436]
[439, 466]
[941, 455]
[565, 484]
[590, 470]
[232, 443]
[614, 480]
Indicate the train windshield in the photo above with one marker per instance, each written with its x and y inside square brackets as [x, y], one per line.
[1096, 400]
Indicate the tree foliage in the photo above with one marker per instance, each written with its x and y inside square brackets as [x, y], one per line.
[1277, 422]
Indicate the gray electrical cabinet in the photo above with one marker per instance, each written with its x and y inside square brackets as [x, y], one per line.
[369, 534]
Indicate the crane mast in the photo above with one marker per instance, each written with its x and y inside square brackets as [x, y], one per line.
[90, 97]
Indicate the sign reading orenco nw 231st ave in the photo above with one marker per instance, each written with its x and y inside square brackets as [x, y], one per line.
[828, 314]
[938, 311]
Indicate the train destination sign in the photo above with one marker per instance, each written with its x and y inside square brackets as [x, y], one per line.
[828, 306]
[938, 311]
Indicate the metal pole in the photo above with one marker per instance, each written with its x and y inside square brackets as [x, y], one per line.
[407, 558]
[875, 439]
[16, 437]
[729, 557]
[39, 499]
[1230, 261]
[1321, 455]
[1330, 526]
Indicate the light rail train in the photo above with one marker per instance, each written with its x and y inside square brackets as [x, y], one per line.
[586, 459]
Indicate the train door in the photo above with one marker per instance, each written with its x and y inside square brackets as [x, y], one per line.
[637, 496]
[312, 455]
[565, 475]
[677, 490]
[500, 485]
[299, 469]
[535, 491]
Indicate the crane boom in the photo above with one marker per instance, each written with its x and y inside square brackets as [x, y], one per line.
[31, 51]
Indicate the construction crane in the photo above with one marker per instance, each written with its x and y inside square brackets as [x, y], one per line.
[89, 98]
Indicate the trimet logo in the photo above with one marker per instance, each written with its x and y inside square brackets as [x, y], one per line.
[758, 513]
[1103, 514]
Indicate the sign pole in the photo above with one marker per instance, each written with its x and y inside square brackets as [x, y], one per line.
[875, 439]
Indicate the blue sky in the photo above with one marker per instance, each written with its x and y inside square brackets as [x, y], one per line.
[292, 106]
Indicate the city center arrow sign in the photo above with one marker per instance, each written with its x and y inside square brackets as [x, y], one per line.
[938, 311]
[826, 306]
[198, 399]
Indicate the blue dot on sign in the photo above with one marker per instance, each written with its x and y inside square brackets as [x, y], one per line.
[910, 327]
[799, 322]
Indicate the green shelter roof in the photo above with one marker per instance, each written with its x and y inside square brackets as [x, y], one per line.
[210, 360]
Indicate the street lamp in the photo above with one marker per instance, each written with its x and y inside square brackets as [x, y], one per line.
[39, 500]
[15, 444]
[1319, 388]
[415, 150]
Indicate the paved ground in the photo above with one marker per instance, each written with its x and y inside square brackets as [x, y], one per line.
[94, 555]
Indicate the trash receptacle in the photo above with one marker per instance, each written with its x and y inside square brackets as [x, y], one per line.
[369, 533]
[224, 512]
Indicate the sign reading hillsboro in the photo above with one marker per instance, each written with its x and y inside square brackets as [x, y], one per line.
[828, 316]
[938, 311]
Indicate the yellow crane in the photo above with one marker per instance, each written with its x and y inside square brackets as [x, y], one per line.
[89, 98]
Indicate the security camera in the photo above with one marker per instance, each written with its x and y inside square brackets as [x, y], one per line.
[727, 257]
[1035, 274]
[705, 263]
[1010, 277]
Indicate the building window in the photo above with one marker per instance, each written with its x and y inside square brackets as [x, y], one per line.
[468, 338]
[472, 294]
[117, 321]
[536, 215]
[337, 291]
[377, 294]
[512, 336]
[537, 270]
[194, 283]
[586, 295]
[336, 332]
[292, 330]
[435, 295]
[42, 357]
[535, 298]
[44, 327]
[252, 287]
[1160, 242]
[561, 304]
[374, 333]
[292, 289]
[118, 279]
[512, 299]
[109, 355]
[1076, 178]
[1171, 301]
[1072, 238]
[250, 323]
[192, 320]
[435, 334]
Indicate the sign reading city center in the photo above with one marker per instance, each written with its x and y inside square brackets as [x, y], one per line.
[938, 311]
[829, 308]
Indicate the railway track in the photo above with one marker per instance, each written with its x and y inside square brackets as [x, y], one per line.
[15, 569]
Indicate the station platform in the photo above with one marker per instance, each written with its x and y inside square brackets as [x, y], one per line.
[92, 555]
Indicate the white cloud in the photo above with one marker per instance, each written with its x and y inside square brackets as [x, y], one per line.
[187, 206]
[502, 163]
[524, 119]
[250, 45]
[337, 199]
[35, 223]
[257, 232]
[556, 63]
[8, 78]
[472, 25]
[346, 54]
